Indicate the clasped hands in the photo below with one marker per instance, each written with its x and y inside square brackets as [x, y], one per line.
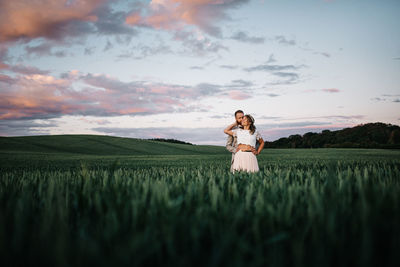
[247, 148]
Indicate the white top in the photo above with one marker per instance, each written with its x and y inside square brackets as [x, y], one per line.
[244, 137]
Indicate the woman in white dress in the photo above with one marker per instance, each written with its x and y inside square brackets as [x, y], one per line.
[245, 157]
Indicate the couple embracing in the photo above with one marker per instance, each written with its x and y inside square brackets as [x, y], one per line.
[242, 140]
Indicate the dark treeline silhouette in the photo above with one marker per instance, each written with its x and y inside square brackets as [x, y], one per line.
[170, 141]
[370, 135]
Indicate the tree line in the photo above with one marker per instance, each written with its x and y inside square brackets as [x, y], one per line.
[170, 141]
[370, 135]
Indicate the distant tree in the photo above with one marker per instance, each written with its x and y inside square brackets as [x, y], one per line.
[370, 135]
[394, 137]
[170, 141]
[295, 140]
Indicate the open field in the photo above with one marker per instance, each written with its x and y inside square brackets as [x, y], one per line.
[74, 205]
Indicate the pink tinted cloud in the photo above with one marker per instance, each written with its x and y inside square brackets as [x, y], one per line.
[331, 90]
[27, 19]
[326, 90]
[176, 14]
[238, 95]
[3, 55]
[44, 96]
[24, 69]
[34, 96]
[5, 78]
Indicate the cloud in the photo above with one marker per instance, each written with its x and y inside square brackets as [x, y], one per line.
[3, 65]
[220, 116]
[325, 54]
[390, 97]
[282, 40]
[37, 96]
[293, 124]
[24, 127]
[175, 15]
[286, 72]
[44, 49]
[378, 99]
[229, 67]
[27, 70]
[197, 45]
[343, 117]
[241, 83]
[61, 23]
[288, 78]
[110, 22]
[271, 59]
[197, 68]
[396, 58]
[244, 37]
[340, 118]
[331, 90]
[271, 68]
[289, 75]
[3, 56]
[95, 121]
[89, 50]
[143, 51]
[236, 90]
[26, 20]
[272, 95]
[6, 79]
[238, 95]
[268, 117]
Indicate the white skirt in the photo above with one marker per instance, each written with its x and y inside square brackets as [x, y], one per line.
[244, 161]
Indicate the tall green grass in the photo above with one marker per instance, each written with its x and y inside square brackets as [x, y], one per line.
[299, 211]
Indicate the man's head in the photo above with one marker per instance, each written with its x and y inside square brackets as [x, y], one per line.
[239, 116]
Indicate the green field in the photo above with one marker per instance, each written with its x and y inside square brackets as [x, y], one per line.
[79, 200]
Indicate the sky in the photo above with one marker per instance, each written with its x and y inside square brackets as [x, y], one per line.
[180, 69]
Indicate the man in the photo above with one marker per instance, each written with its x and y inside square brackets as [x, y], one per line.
[231, 142]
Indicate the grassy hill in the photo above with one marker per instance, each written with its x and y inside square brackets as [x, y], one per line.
[100, 145]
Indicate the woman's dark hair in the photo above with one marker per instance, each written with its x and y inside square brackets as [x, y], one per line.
[251, 121]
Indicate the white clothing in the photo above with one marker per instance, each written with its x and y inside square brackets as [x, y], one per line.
[244, 137]
[245, 161]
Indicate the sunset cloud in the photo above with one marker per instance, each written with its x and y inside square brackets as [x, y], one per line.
[176, 14]
[331, 90]
[238, 95]
[27, 70]
[25, 19]
[3, 56]
[35, 94]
